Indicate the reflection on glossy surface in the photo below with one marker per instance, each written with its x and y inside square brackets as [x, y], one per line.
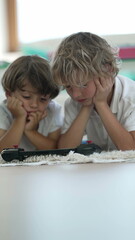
[68, 202]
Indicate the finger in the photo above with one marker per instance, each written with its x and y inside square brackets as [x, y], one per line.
[40, 115]
[32, 115]
[14, 101]
[111, 80]
[103, 81]
[36, 116]
[44, 114]
[98, 84]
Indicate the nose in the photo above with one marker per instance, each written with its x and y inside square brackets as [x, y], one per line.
[76, 92]
[34, 103]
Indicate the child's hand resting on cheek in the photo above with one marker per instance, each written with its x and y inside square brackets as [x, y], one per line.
[15, 106]
[103, 90]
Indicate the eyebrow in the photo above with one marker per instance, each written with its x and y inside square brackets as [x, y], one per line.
[36, 92]
[25, 90]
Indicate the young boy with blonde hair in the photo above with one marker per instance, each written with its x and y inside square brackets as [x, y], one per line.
[101, 103]
[29, 118]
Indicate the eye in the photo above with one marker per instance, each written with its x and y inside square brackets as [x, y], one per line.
[26, 97]
[85, 85]
[42, 99]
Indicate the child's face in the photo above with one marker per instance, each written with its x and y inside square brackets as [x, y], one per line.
[32, 101]
[83, 94]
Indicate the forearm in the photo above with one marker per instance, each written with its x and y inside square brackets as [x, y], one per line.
[122, 139]
[13, 135]
[39, 141]
[73, 137]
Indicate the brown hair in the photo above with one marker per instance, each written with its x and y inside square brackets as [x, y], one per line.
[81, 56]
[34, 69]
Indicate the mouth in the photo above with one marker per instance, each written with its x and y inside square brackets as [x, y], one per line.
[81, 100]
[28, 113]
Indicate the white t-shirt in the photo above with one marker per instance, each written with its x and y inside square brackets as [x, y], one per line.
[52, 122]
[122, 106]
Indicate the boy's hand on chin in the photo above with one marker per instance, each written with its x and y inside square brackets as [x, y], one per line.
[44, 114]
[33, 120]
[15, 106]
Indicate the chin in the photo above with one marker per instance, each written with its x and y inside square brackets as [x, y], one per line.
[87, 103]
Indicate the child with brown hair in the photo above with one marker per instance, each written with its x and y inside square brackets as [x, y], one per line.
[101, 103]
[29, 117]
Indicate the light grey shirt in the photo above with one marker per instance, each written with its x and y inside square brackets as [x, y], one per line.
[122, 106]
[52, 122]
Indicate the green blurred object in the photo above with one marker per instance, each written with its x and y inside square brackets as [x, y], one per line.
[128, 74]
[27, 50]
[3, 64]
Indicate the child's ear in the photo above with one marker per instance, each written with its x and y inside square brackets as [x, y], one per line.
[7, 93]
[109, 67]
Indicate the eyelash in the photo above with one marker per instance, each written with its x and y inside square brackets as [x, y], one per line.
[41, 99]
[27, 97]
[83, 86]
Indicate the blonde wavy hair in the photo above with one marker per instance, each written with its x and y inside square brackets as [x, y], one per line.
[83, 56]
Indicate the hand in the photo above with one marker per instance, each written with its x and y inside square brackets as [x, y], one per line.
[87, 108]
[103, 90]
[15, 106]
[33, 120]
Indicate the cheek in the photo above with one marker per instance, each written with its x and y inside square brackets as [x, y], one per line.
[43, 107]
[90, 91]
[25, 103]
[16, 95]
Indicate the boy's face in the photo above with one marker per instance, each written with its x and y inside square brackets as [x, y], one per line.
[32, 101]
[84, 94]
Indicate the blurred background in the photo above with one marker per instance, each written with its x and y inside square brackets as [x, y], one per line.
[37, 27]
